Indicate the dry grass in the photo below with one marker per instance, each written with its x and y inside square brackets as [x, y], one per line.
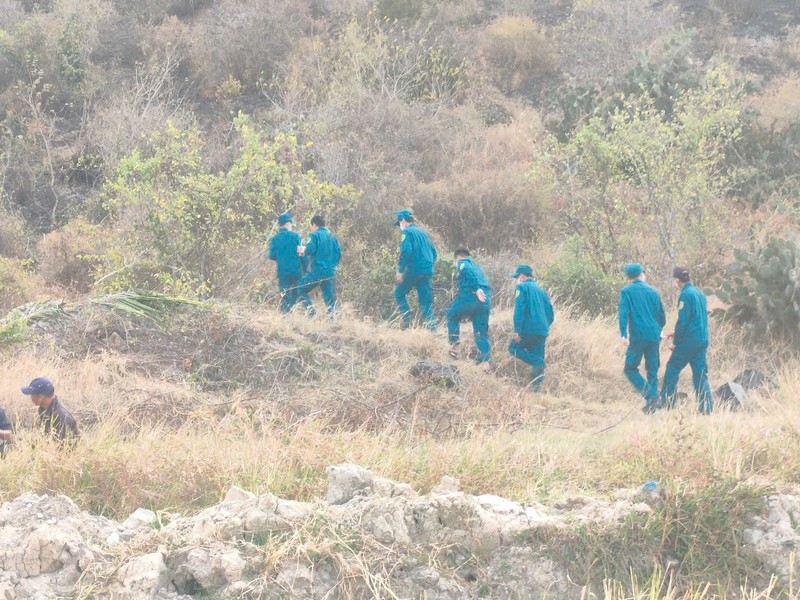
[160, 437]
[290, 396]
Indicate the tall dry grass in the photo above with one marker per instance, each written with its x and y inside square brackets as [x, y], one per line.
[170, 445]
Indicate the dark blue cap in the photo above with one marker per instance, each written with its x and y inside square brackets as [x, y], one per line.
[41, 386]
[403, 214]
[633, 270]
[284, 218]
[522, 270]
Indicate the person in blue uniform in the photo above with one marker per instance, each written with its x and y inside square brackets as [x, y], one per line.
[474, 303]
[689, 344]
[414, 269]
[641, 321]
[289, 264]
[533, 315]
[324, 253]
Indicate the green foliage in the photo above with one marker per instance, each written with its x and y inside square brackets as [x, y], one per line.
[370, 285]
[762, 290]
[71, 52]
[767, 163]
[666, 77]
[577, 101]
[662, 77]
[13, 329]
[181, 222]
[574, 279]
[638, 177]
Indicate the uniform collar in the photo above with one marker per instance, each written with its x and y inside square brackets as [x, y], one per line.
[49, 409]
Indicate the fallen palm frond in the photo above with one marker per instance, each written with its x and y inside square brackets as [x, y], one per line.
[152, 305]
[136, 303]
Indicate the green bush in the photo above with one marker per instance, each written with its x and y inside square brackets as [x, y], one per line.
[762, 290]
[369, 284]
[573, 279]
[180, 225]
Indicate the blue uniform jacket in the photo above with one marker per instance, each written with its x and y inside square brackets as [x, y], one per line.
[324, 251]
[641, 310]
[471, 279]
[283, 250]
[533, 311]
[417, 252]
[692, 325]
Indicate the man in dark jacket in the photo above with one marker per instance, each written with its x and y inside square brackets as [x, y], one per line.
[689, 344]
[52, 417]
[6, 433]
[533, 315]
[324, 252]
[414, 269]
[473, 302]
[288, 263]
[641, 320]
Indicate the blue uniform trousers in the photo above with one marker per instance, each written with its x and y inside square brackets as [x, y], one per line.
[478, 313]
[530, 349]
[287, 284]
[326, 280]
[638, 349]
[694, 355]
[424, 285]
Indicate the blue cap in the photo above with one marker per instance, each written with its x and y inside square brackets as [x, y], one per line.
[41, 386]
[633, 270]
[284, 218]
[403, 214]
[522, 270]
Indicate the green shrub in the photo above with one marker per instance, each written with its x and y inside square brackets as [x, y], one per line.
[762, 290]
[368, 284]
[180, 225]
[573, 279]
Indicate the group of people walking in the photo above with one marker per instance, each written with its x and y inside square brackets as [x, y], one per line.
[641, 325]
[300, 268]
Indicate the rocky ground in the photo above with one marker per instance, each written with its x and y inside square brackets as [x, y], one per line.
[370, 538]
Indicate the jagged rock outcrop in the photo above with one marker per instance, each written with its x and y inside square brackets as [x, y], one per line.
[371, 536]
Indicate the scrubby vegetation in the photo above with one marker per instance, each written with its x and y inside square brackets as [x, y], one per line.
[148, 145]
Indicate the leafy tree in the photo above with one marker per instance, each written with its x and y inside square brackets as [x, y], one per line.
[638, 175]
[180, 224]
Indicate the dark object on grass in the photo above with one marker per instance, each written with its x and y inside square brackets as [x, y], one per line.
[437, 372]
[731, 395]
[751, 379]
